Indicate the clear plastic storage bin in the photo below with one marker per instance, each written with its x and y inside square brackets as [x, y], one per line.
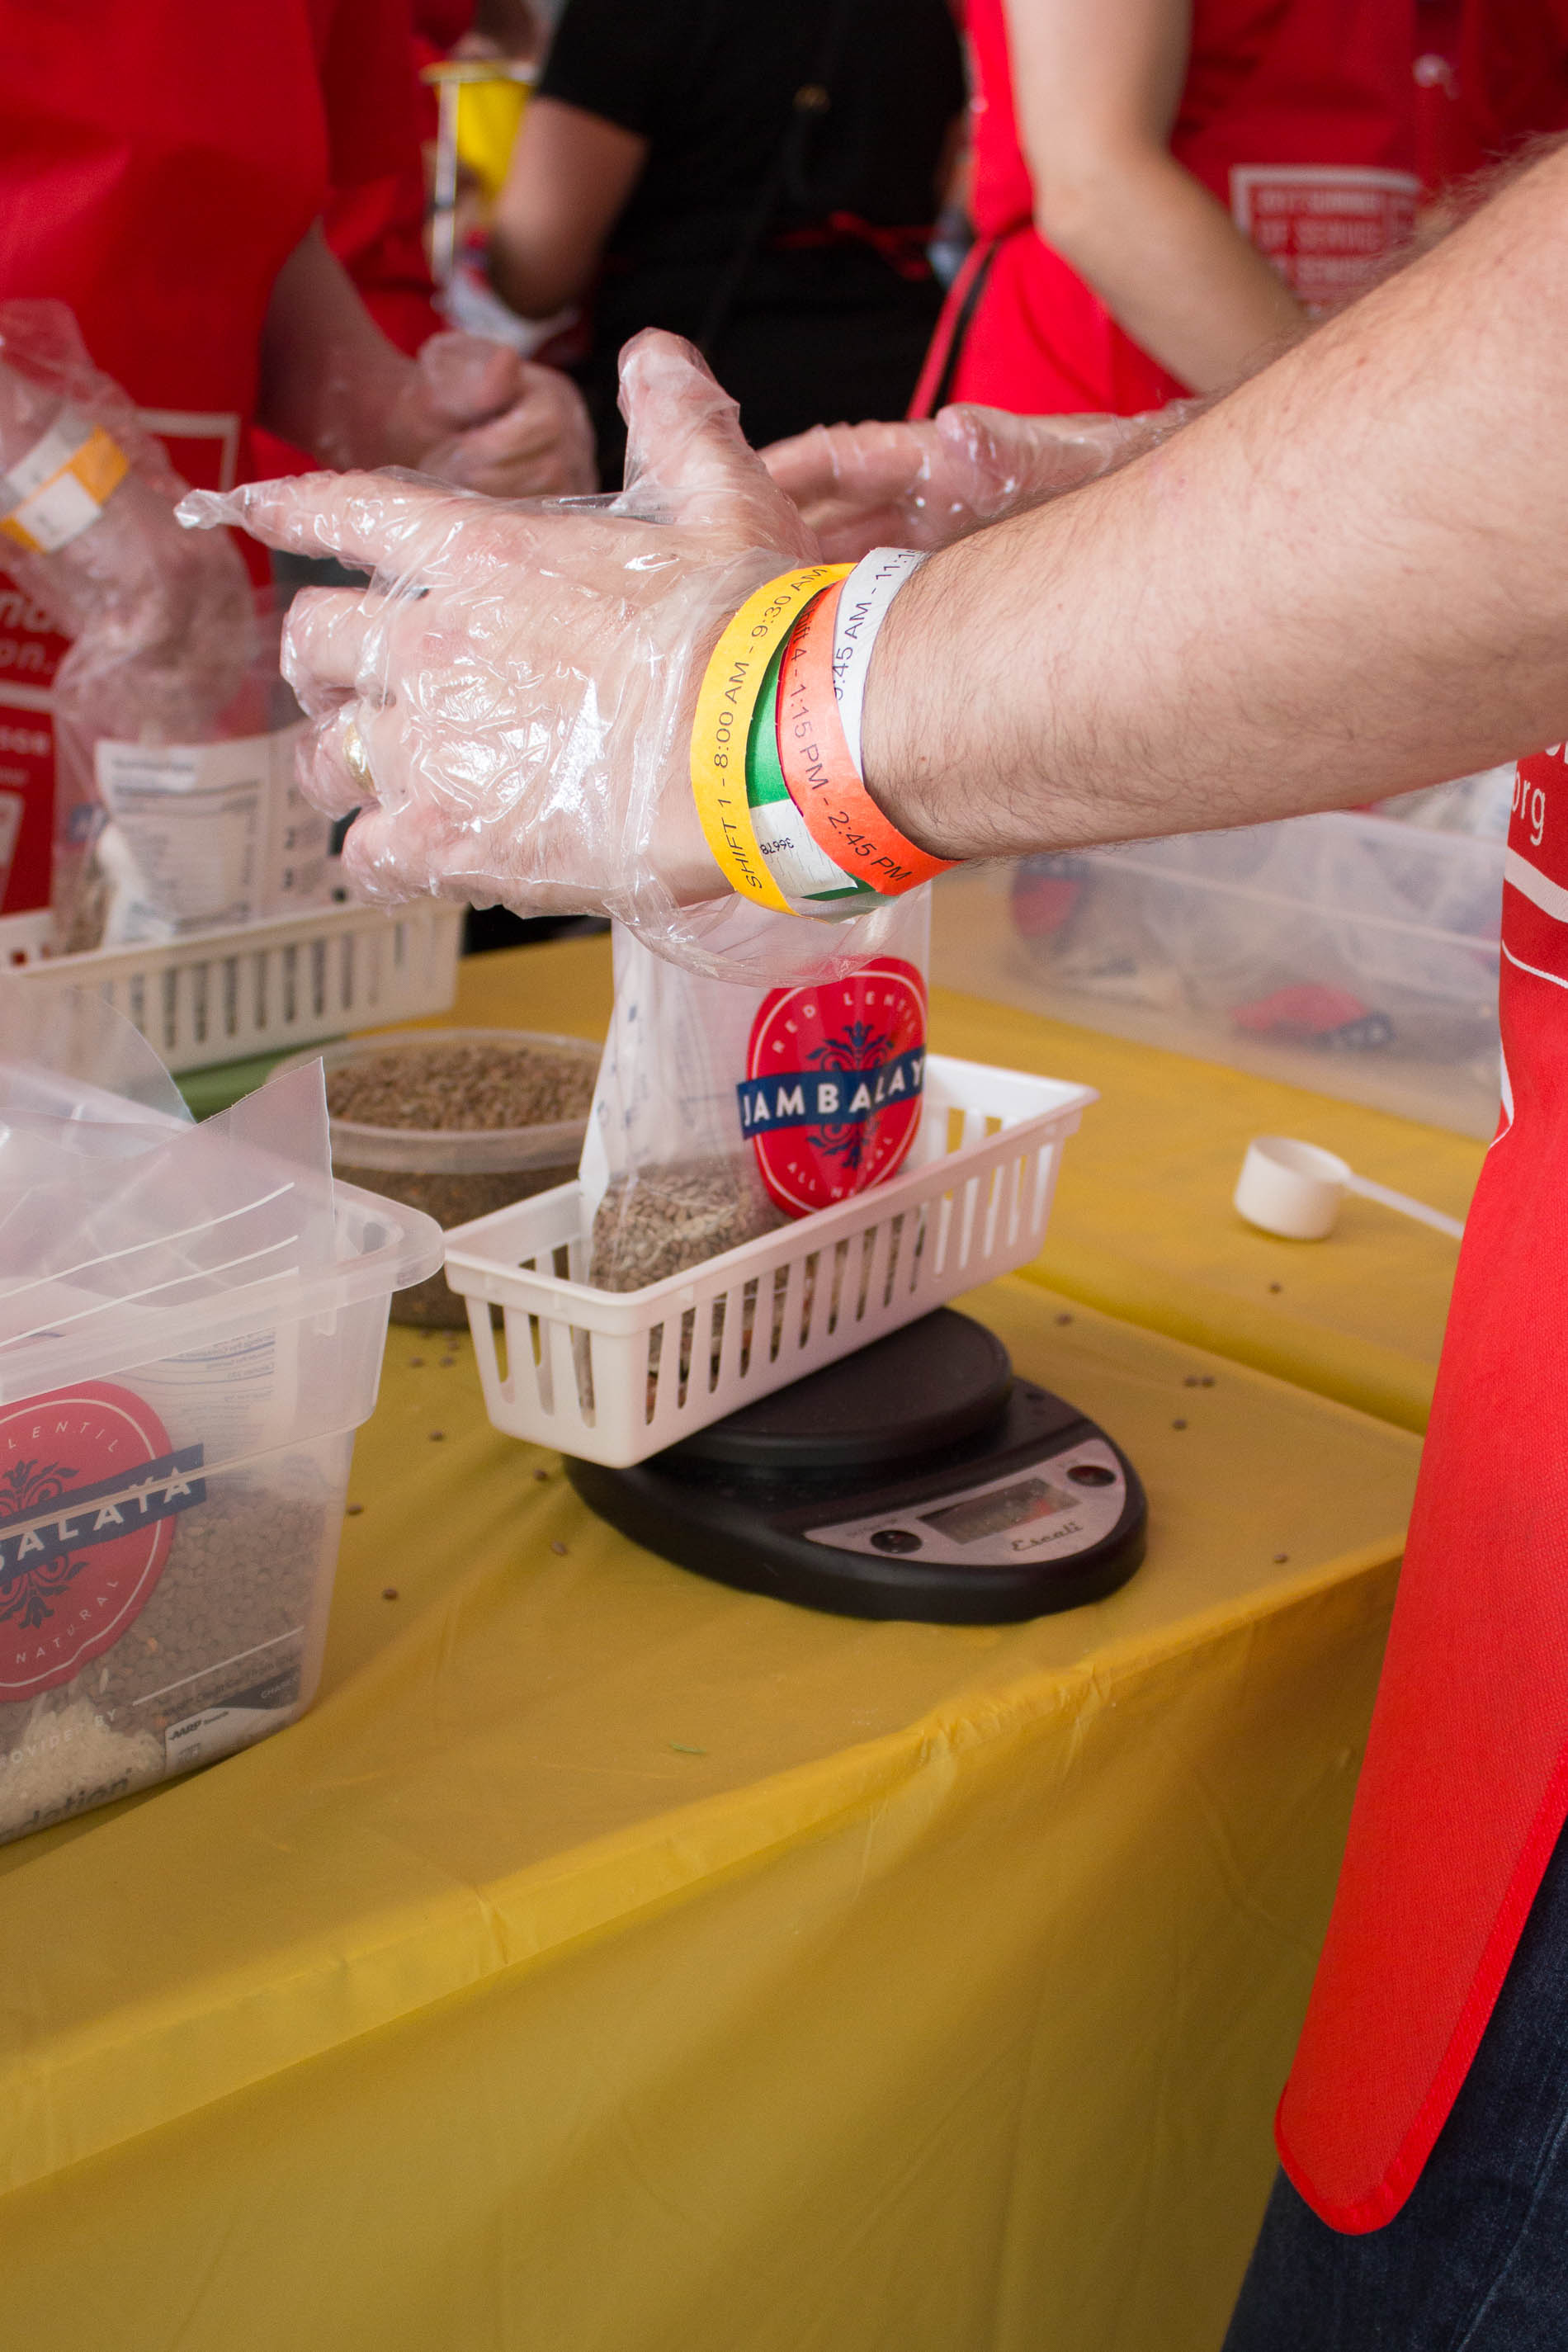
[456, 1174]
[1351, 954]
[171, 1500]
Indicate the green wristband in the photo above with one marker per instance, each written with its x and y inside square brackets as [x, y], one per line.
[804, 872]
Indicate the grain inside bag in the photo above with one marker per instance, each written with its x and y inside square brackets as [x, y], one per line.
[723, 1110]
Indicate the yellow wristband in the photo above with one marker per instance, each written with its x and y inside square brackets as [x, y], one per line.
[731, 685]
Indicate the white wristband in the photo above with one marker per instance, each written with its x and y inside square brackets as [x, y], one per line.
[863, 604]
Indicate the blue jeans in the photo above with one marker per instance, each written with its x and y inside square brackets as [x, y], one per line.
[1477, 2260]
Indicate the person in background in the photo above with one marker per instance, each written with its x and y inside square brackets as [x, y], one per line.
[376, 227]
[163, 170]
[1164, 190]
[1345, 578]
[765, 190]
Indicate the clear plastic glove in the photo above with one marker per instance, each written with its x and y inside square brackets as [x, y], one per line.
[925, 485]
[477, 414]
[509, 704]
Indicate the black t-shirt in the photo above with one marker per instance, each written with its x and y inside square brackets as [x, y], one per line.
[710, 84]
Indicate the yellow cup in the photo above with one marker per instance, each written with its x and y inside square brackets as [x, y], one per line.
[482, 100]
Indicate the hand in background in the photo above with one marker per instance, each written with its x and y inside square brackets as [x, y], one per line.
[478, 416]
[925, 485]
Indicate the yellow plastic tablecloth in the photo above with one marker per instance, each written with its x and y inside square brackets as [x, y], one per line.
[612, 1962]
[1143, 1224]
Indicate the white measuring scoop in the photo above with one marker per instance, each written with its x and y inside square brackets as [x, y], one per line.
[1296, 1191]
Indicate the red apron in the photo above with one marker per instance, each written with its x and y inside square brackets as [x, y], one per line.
[1512, 72]
[1465, 1786]
[158, 163]
[1298, 115]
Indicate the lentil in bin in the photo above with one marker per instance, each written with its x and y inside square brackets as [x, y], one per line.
[403, 1104]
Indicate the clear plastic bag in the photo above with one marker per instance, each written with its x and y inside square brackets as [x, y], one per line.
[115, 1207]
[163, 625]
[86, 526]
[157, 837]
[724, 1110]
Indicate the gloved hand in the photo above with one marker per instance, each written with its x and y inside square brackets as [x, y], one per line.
[509, 704]
[925, 485]
[476, 415]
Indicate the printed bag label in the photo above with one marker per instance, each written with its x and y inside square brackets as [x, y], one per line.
[89, 1490]
[835, 1074]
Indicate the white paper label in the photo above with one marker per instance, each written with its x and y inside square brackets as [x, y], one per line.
[51, 496]
[210, 833]
[57, 513]
[218, 1731]
[298, 836]
[46, 457]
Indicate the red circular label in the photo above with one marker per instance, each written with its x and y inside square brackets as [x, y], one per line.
[831, 1099]
[87, 1486]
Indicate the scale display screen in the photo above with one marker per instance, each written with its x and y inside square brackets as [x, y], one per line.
[978, 1516]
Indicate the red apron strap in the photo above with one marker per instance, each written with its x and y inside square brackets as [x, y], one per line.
[934, 389]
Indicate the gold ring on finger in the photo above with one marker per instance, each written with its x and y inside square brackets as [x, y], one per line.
[356, 758]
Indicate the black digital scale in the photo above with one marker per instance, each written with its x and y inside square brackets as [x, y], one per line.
[919, 1478]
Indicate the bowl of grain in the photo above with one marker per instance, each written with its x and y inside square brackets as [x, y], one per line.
[456, 1122]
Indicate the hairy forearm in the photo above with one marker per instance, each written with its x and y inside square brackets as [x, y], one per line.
[1349, 578]
[1169, 263]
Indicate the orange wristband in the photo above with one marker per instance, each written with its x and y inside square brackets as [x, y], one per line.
[824, 781]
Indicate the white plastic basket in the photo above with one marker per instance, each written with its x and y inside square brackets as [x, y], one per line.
[614, 1377]
[221, 996]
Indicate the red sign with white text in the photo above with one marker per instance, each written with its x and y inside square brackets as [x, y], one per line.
[89, 1490]
[831, 1100]
[1326, 227]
